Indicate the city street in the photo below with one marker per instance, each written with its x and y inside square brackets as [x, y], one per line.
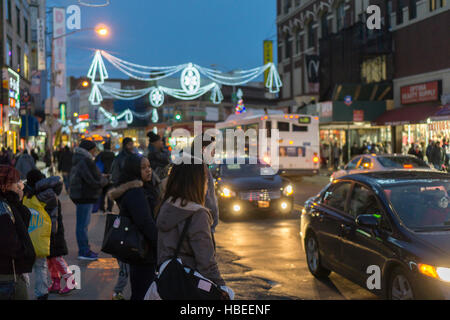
[260, 258]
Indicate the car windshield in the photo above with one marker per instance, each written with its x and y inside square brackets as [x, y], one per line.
[422, 206]
[402, 162]
[246, 170]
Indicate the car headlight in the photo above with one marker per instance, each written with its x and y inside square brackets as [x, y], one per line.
[288, 190]
[227, 193]
[437, 273]
[443, 273]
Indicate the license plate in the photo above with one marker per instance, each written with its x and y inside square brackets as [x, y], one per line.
[263, 204]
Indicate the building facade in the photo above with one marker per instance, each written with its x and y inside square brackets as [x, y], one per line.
[421, 81]
[15, 57]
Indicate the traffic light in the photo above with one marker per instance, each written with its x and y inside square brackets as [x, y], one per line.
[178, 117]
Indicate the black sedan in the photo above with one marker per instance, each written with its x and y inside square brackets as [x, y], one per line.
[251, 188]
[389, 232]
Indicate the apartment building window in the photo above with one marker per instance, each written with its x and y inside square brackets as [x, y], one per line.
[297, 3]
[436, 4]
[374, 69]
[324, 24]
[26, 67]
[287, 6]
[8, 11]
[19, 56]
[287, 46]
[412, 9]
[400, 6]
[25, 29]
[311, 35]
[389, 11]
[340, 16]
[9, 52]
[18, 20]
[298, 43]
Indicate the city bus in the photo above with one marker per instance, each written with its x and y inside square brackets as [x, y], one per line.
[299, 147]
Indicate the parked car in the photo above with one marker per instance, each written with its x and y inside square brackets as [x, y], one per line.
[382, 162]
[247, 189]
[397, 222]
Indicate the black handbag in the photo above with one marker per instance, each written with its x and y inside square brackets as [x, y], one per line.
[174, 283]
[124, 241]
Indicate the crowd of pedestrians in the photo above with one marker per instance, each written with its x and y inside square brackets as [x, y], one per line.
[157, 196]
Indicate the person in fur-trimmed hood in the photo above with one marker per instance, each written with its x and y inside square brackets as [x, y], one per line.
[135, 203]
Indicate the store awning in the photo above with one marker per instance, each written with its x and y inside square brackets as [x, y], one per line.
[407, 115]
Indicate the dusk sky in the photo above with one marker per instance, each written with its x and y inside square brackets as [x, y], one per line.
[226, 33]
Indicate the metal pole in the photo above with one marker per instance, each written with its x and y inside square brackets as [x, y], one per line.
[52, 94]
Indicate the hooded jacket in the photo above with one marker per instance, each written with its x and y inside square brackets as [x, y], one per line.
[117, 165]
[86, 181]
[15, 242]
[25, 164]
[47, 191]
[134, 204]
[197, 250]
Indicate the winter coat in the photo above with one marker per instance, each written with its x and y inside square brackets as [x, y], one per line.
[15, 242]
[133, 203]
[86, 181]
[437, 156]
[47, 191]
[65, 161]
[107, 158]
[25, 164]
[117, 166]
[158, 160]
[197, 250]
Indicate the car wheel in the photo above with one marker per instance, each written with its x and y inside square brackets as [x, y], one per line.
[401, 286]
[313, 258]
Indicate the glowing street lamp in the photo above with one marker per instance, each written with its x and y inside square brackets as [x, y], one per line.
[85, 84]
[102, 31]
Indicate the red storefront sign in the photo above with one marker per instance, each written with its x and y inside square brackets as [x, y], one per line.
[421, 92]
[358, 115]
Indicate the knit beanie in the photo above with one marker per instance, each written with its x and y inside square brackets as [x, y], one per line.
[153, 137]
[87, 145]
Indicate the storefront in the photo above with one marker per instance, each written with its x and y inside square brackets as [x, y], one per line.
[351, 124]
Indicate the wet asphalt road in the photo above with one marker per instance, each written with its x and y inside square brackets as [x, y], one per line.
[260, 258]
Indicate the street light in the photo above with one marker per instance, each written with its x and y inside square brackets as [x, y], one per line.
[101, 30]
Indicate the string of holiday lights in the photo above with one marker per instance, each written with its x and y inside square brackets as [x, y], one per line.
[190, 80]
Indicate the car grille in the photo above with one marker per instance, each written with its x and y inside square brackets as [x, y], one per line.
[260, 195]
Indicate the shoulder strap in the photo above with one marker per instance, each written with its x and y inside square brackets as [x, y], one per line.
[183, 234]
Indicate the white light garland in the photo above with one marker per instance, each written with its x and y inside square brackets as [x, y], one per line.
[190, 80]
[127, 114]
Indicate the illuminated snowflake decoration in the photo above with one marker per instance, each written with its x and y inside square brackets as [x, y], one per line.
[190, 79]
[156, 97]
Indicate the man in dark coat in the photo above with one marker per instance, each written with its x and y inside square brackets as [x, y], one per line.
[65, 165]
[437, 156]
[86, 183]
[118, 163]
[158, 157]
[106, 157]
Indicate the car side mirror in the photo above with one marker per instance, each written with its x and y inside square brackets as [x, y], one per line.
[367, 220]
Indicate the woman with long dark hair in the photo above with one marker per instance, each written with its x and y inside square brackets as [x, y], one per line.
[184, 197]
[134, 203]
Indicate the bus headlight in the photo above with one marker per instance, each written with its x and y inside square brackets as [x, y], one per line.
[227, 193]
[288, 190]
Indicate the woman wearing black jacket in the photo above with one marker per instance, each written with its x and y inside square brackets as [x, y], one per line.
[134, 203]
[17, 254]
